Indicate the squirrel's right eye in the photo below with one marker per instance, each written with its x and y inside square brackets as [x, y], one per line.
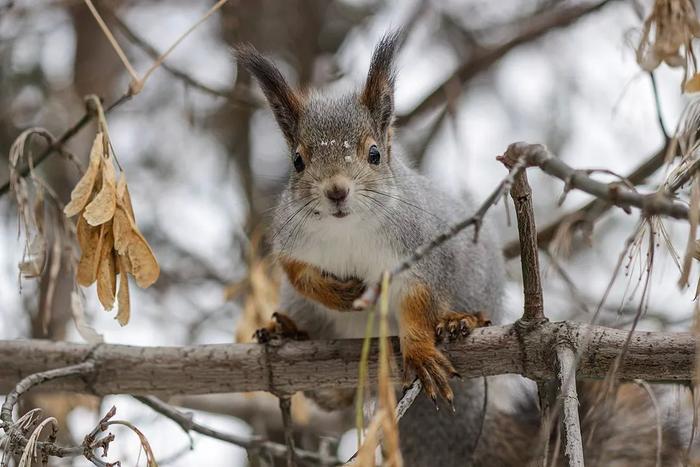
[299, 163]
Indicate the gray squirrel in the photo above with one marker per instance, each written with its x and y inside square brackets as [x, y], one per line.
[352, 209]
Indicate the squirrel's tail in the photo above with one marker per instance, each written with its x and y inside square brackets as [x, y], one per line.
[617, 431]
[628, 428]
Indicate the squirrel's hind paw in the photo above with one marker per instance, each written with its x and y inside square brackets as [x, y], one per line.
[432, 368]
[454, 325]
[280, 327]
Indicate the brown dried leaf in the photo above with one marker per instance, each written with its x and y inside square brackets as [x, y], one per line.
[144, 265]
[90, 240]
[107, 272]
[123, 228]
[128, 241]
[83, 189]
[101, 208]
[123, 300]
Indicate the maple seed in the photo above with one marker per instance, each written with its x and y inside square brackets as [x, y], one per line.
[101, 208]
[110, 242]
[83, 189]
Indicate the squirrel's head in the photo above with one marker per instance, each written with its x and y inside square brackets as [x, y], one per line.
[339, 147]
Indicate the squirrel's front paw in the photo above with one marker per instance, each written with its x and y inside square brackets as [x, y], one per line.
[280, 327]
[453, 325]
[424, 360]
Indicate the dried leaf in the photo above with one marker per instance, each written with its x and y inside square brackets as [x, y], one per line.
[83, 189]
[107, 272]
[144, 265]
[150, 458]
[101, 208]
[123, 300]
[86, 331]
[32, 265]
[90, 240]
[122, 227]
[128, 241]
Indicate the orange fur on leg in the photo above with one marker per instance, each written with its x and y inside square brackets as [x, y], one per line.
[419, 315]
[320, 286]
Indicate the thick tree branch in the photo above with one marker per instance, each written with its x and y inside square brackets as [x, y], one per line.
[293, 366]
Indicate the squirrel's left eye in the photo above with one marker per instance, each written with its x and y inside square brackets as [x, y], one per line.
[373, 157]
[298, 163]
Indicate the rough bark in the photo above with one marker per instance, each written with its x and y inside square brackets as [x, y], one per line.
[293, 366]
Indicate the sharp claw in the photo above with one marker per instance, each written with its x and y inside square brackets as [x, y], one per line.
[455, 374]
[453, 330]
[435, 402]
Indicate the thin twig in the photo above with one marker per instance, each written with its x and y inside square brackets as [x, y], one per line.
[140, 42]
[657, 101]
[521, 193]
[57, 145]
[112, 41]
[285, 403]
[481, 59]
[657, 203]
[165, 54]
[572, 427]
[16, 437]
[252, 444]
[594, 209]
[371, 295]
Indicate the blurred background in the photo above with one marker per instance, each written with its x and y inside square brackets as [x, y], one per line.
[205, 161]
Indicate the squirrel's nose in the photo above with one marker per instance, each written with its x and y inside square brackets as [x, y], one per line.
[337, 193]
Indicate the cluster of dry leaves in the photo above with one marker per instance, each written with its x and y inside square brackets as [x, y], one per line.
[674, 24]
[110, 242]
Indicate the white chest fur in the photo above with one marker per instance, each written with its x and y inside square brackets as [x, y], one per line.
[350, 247]
[347, 247]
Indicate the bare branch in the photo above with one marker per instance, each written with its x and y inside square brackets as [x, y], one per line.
[285, 403]
[28, 382]
[658, 203]
[251, 444]
[57, 145]
[154, 54]
[593, 210]
[295, 366]
[521, 193]
[573, 451]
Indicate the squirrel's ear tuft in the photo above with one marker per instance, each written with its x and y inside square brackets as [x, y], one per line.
[378, 94]
[285, 103]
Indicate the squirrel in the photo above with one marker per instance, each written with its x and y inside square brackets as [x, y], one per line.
[352, 208]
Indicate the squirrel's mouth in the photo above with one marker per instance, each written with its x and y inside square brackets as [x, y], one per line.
[340, 214]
